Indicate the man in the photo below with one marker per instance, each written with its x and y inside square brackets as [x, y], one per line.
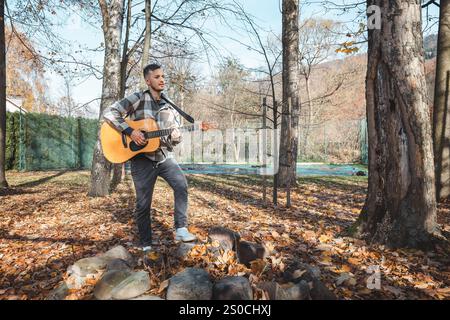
[145, 168]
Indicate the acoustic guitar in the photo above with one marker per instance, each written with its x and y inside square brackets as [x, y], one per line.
[118, 147]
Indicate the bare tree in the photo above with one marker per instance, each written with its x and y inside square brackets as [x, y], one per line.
[66, 105]
[3, 182]
[112, 15]
[441, 109]
[147, 39]
[231, 78]
[289, 120]
[270, 50]
[125, 52]
[182, 73]
[316, 39]
[400, 208]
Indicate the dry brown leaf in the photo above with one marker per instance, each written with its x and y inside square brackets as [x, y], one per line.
[257, 266]
[393, 290]
[163, 285]
[275, 234]
[421, 285]
[354, 261]
[324, 238]
[298, 273]
[345, 268]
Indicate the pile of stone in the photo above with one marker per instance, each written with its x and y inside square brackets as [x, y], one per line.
[302, 281]
[118, 281]
[228, 240]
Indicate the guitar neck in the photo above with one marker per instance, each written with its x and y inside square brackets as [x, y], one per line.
[166, 132]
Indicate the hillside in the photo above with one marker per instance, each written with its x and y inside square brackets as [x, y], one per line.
[348, 102]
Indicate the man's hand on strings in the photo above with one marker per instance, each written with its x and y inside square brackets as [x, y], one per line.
[138, 137]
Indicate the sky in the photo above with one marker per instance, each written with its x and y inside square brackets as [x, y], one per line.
[265, 12]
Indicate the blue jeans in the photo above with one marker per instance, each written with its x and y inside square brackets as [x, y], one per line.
[144, 173]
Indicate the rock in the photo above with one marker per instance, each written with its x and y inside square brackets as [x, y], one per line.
[227, 239]
[297, 271]
[111, 279]
[59, 293]
[298, 291]
[133, 286]
[250, 251]
[270, 287]
[74, 281]
[232, 288]
[190, 284]
[147, 297]
[319, 291]
[345, 276]
[184, 249]
[86, 266]
[119, 252]
[117, 264]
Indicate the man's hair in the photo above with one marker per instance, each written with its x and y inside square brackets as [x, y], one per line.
[151, 67]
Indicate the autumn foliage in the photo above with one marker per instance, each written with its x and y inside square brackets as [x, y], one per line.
[24, 71]
[47, 222]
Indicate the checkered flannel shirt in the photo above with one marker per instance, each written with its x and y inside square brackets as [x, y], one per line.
[141, 105]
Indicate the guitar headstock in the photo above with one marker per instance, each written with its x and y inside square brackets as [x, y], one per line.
[205, 125]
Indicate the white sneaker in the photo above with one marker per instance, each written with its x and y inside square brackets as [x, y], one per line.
[184, 235]
[147, 249]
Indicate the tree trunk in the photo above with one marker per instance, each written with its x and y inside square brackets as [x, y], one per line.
[308, 118]
[237, 143]
[116, 176]
[112, 28]
[289, 134]
[3, 182]
[400, 208]
[125, 56]
[147, 39]
[441, 130]
[119, 169]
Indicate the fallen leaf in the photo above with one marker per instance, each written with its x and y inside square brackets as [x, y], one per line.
[153, 256]
[163, 285]
[257, 266]
[298, 273]
[275, 234]
[354, 261]
[345, 268]
[422, 285]
[326, 261]
[365, 291]
[393, 290]
[343, 278]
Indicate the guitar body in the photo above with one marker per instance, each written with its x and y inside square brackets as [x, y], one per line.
[113, 146]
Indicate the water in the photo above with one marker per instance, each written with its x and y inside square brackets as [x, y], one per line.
[303, 169]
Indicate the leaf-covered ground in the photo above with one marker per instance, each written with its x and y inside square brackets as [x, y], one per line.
[47, 222]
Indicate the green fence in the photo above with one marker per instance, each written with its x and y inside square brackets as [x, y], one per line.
[36, 141]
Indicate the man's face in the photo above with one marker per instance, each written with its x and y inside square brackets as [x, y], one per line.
[155, 80]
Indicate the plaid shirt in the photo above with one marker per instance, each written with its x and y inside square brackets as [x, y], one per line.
[141, 105]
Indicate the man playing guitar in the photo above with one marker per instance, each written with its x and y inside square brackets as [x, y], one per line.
[146, 167]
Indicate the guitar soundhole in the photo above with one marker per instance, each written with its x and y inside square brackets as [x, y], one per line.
[134, 147]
